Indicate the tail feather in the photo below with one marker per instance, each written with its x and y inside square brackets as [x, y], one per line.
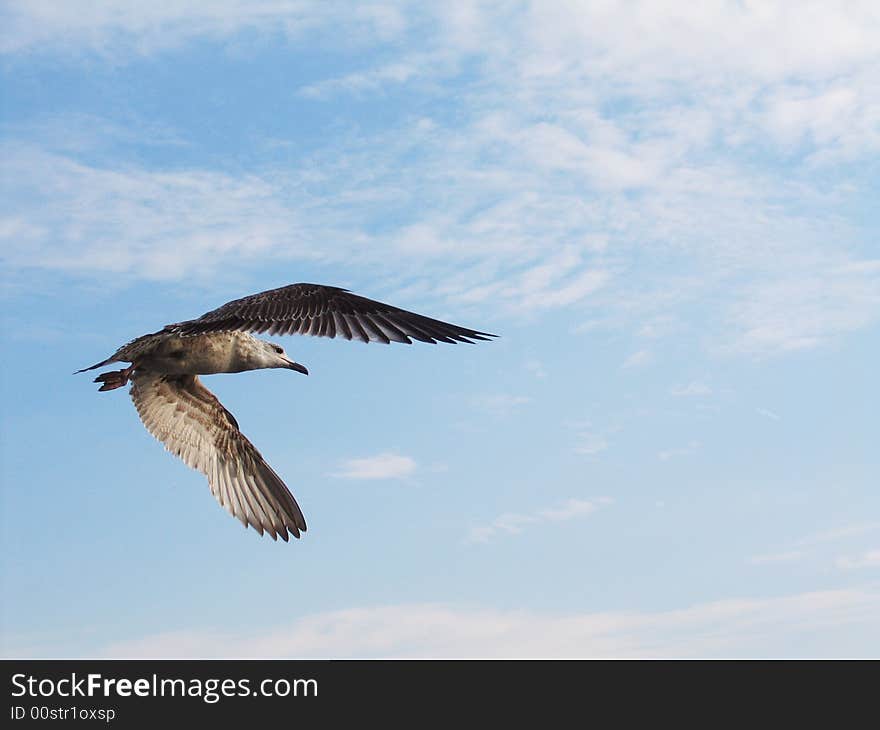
[97, 365]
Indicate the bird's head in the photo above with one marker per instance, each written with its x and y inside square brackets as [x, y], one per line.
[274, 357]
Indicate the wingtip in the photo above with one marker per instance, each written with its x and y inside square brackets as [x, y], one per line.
[471, 338]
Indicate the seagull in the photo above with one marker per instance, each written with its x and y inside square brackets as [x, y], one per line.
[192, 423]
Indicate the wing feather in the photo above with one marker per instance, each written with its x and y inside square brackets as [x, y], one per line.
[192, 424]
[326, 311]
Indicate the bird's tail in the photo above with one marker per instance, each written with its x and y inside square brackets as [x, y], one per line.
[114, 379]
[98, 365]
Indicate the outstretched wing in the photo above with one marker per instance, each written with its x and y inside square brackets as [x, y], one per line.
[187, 417]
[326, 311]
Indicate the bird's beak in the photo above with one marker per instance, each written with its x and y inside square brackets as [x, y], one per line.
[296, 366]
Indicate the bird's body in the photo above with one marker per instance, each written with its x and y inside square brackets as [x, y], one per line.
[173, 353]
[182, 413]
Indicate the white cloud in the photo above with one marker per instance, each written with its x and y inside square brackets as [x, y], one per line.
[557, 279]
[590, 443]
[767, 413]
[840, 533]
[789, 556]
[572, 508]
[591, 439]
[869, 559]
[647, 42]
[796, 313]
[668, 454]
[65, 215]
[500, 404]
[696, 200]
[512, 523]
[380, 466]
[638, 359]
[137, 223]
[788, 625]
[658, 326]
[693, 389]
[123, 28]
[374, 80]
[811, 544]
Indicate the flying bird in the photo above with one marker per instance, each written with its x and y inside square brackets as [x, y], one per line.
[192, 423]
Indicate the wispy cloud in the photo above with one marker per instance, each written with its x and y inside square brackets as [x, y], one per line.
[511, 523]
[638, 359]
[679, 452]
[771, 626]
[381, 466]
[589, 443]
[500, 404]
[869, 559]
[590, 440]
[375, 80]
[789, 556]
[658, 326]
[800, 312]
[69, 216]
[767, 413]
[537, 196]
[693, 389]
[840, 533]
[811, 546]
[127, 29]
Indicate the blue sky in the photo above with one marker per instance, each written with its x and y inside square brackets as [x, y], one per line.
[667, 212]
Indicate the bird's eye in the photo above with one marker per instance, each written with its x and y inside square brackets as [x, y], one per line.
[278, 349]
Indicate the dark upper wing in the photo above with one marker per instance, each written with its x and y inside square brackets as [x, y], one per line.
[326, 311]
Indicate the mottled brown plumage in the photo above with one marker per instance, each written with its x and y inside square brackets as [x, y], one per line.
[189, 420]
[193, 424]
